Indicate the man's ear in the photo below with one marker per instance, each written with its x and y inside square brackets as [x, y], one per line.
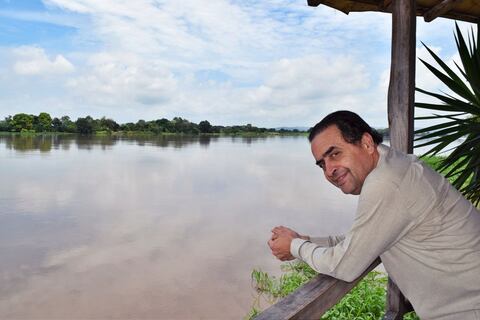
[367, 142]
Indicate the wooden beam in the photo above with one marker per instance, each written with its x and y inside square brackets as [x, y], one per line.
[313, 3]
[401, 90]
[385, 5]
[313, 299]
[439, 9]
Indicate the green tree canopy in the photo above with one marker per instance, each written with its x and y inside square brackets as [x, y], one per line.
[205, 126]
[22, 121]
[85, 125]
[44, 122]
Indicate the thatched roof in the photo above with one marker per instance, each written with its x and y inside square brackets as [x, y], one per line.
[465, 10]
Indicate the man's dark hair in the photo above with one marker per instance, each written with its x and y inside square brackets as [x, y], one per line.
[350, 125]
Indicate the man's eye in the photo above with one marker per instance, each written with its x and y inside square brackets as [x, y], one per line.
[335, 154]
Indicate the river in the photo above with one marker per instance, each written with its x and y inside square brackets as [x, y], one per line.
[151, 228]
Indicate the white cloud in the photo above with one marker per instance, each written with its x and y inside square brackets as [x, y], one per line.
[43, 17]
[311, 77]
[268, 63]
[123, 79]
[34, 61]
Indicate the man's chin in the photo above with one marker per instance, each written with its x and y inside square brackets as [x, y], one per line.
[346, 190]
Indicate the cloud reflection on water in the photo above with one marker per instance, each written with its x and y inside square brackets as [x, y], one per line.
[132, 230]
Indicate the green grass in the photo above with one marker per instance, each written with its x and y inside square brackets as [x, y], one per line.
[435, 162]
[365, 302]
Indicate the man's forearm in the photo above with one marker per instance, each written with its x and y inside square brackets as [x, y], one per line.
[329, 241]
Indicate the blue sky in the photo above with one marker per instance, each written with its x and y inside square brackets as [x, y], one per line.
[270, 63]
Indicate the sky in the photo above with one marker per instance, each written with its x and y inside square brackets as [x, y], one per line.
[270, 63]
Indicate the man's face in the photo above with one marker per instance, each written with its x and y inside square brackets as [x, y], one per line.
[345, 165]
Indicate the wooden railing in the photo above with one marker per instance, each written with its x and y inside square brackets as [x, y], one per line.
[321, 293]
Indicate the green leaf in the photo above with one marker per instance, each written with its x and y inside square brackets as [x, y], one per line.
[454, 105]
[462, 165]
[454, 83]
[438, 116]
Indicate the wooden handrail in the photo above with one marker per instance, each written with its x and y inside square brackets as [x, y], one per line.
[313, 299]
[317, 296]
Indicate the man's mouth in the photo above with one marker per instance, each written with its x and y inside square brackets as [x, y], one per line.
[341, 180]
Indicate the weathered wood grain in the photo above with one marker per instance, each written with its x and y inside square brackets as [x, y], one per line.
[313, 299]
[465, 10]
[438, 10]
[401, 91]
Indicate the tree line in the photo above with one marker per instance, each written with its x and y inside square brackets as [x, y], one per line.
[23, 122]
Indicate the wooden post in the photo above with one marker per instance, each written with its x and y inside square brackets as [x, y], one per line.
[401, 95]
[401, 91]
[396, 305]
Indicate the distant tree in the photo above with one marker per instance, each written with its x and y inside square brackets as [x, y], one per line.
[141, 125]
[217, 129]
[57, 125]
[22, 121]
[96, 123]
[177, 123]
[205, 126]
[152, 126]
[43, 123]
[85, 125]
[68, 125]
[165, 125]
[108, 124]
[34, 122]
[130, 126]
[385, 132]
[184, 126]
[5, 125]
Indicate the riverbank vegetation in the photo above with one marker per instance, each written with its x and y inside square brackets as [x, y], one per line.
[365, 302]
[44, 123]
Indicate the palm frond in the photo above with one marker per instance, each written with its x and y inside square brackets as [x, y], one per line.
[462, 165]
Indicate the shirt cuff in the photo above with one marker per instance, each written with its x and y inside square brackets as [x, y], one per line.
[295, 246]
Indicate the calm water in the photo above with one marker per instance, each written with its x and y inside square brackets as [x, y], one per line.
[162, 228]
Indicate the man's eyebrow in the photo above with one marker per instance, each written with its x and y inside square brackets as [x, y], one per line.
[326, 153]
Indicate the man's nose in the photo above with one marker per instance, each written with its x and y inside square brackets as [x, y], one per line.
[330, 170]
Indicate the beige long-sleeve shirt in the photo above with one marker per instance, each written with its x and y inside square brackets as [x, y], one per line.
[426, 233]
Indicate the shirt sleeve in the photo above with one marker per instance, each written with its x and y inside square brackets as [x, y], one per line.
[328, 241]
[379, 222]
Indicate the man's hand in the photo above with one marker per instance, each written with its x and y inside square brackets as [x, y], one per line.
[280, 242]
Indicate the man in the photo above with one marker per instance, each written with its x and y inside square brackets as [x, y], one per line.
[426, 233]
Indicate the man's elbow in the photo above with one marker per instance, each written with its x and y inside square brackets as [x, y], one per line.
[347, 275]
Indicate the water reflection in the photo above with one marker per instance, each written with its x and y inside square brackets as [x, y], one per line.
[45, 143]
[150, 227]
